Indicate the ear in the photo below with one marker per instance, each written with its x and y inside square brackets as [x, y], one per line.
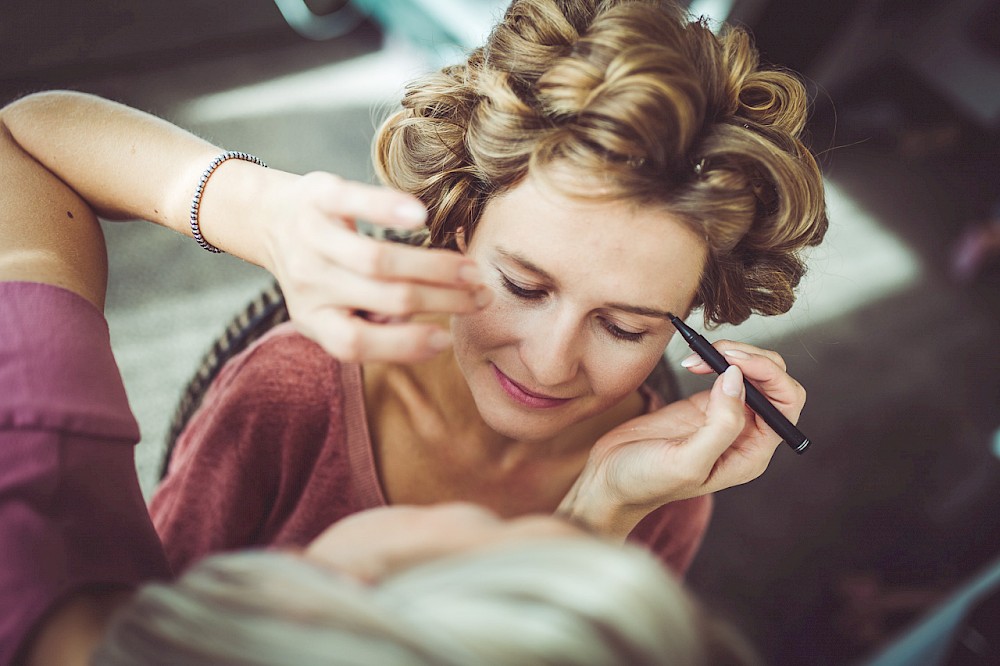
[463, 246]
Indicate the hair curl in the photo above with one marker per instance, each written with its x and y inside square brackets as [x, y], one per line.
[654, 104]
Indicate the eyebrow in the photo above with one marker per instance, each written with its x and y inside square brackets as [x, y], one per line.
[537, 270]
[645, 312]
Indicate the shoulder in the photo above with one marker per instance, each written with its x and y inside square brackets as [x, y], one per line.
[283, 367]
[281, 391]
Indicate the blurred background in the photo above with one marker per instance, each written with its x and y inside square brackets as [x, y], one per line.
[827, 557]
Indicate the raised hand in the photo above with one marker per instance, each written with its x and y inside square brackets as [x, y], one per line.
[691, 447]
[355, 295]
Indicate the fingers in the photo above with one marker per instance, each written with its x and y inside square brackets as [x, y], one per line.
[695, 364]
[403, 299]
[379, 205]
[765, 369]
[719, 447]
[395, 261]
[355, 295]
[725, 418]
[353, 339]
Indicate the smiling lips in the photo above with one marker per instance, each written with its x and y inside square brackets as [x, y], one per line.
[523, 396]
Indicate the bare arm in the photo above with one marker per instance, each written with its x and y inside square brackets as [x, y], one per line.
[47, 232]
[125, 164]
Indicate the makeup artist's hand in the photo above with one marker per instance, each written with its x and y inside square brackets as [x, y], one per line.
[707, 442]
[355, 295]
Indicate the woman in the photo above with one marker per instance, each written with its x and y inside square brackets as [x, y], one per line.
[451, 584]
[595, 165]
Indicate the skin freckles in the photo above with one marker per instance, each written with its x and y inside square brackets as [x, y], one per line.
[581, 291]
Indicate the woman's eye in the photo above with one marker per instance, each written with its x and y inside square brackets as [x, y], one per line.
[521, 292]
[621, 333]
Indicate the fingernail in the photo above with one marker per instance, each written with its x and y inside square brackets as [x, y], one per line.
[736, 353]
[439, 340]
[732, 381]
[411, 212]
[691, 361]
[470, 274]
[484, 297]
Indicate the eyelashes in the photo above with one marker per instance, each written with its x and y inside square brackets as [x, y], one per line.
[521, 292]
[538, 294]
[620, 333]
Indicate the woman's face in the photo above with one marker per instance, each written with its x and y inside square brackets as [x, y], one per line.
[579, 317]
[376, 543]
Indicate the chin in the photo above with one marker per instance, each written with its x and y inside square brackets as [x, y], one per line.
[522, 427]
[516, 422]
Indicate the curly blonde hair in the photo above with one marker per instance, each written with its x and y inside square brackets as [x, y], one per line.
[632, 92]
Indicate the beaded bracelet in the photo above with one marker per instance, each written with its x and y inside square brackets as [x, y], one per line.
[196, 201]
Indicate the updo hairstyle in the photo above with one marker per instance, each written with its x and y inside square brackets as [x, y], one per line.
[652, 107]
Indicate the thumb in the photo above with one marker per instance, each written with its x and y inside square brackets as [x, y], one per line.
[725, 416]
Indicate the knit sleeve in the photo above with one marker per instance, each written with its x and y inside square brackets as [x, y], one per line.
[236, 467]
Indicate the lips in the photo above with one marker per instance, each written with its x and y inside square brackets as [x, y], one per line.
[523, 396]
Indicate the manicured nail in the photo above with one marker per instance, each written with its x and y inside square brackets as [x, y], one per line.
[736, 353]
[732, 381]
[484, 296]
[439, 340]
[411, 212]
[691, 361]
[470, 274]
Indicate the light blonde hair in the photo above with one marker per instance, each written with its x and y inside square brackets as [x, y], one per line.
[572, 602]
[654, 106]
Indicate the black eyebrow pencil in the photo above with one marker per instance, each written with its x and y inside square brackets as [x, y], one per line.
[755, 399]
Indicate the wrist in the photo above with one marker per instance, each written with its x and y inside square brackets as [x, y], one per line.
[278, 199]
[589, 505]
[236, 210]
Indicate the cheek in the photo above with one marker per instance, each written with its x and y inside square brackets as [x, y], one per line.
[495, 326]
[616, 374]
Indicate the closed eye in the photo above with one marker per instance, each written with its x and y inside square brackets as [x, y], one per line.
[521, 292]
[620, 333]
[537, 294]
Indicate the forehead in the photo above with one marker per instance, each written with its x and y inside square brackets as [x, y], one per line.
[610, 248]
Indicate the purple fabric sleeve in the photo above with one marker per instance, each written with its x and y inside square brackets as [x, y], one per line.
[71, 511]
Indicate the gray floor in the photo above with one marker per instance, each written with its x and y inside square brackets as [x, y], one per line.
[828, 554]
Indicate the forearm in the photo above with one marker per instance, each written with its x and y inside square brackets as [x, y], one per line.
[127, 164]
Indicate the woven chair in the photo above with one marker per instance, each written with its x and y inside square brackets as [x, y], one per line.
[263, 313]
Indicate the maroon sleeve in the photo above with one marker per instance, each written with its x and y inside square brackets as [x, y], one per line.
[71, 511]
[238, 467]
[674, 532]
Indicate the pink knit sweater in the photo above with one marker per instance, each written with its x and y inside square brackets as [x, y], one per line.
[280, 450]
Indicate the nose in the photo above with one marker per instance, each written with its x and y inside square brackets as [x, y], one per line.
[552, 349]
